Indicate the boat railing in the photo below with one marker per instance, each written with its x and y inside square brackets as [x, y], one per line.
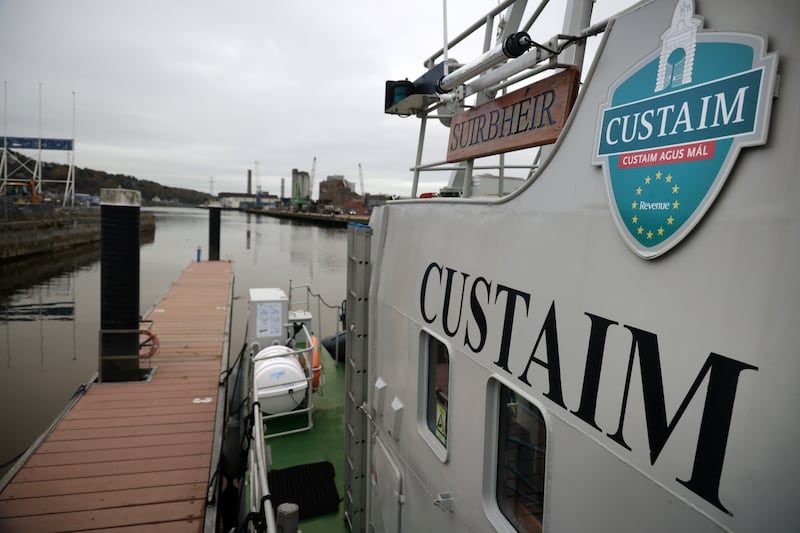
[487, 21]
[306, 361]
[543, 55]
[260, 497]
[258, 456]
[492, 72]
[301, 296]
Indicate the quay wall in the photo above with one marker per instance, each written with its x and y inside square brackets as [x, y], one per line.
[55, 232]
[311, 218]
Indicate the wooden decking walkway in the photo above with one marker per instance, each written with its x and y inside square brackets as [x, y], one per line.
[137, 456]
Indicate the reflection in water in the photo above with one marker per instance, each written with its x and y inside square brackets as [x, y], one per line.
[49, 267]
[51, 300]
[39, 311]
[46, 268]
[247, 245]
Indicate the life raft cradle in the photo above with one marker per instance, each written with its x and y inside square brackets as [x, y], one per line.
[309, 358]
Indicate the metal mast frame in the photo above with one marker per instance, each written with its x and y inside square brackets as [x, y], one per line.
[36, 143]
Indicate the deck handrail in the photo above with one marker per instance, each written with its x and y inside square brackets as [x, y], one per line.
[260, 496]
[307, 303]
[543, 56]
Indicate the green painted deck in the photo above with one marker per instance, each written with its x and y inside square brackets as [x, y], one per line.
[137, 456]
[324, 442]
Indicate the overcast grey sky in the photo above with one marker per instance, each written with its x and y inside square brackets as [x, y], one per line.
[179, 91]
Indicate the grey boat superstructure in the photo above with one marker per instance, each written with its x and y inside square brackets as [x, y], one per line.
[612, 346]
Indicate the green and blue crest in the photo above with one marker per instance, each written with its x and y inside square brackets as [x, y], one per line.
[673, 126]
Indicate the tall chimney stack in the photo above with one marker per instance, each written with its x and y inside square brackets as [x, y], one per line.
[249, 181]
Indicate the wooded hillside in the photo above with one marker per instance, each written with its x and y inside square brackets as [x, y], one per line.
[90, 181]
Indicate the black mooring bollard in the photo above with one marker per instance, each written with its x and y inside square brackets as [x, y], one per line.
[213, 233]
[119, 284]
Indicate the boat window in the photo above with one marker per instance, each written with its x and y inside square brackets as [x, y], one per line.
[520, 462]
[438, 388]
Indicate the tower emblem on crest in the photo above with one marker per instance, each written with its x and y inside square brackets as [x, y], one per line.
[672, 127]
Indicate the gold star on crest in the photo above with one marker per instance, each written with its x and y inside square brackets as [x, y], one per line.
[658, 175]
[660, 232]
[675, 204]
[635, 219]
[675, 189]
[647, 180]
[638, 191]
[649, 234]
[633, 205]
[669, 178]
[640, 230]
[670, 220]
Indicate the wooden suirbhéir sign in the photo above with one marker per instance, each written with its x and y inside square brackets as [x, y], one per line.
[531, 116]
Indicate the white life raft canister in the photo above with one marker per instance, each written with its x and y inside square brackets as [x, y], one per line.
[279, 380]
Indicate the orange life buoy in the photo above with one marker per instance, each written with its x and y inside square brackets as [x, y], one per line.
[316, 366]
[151, 343]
